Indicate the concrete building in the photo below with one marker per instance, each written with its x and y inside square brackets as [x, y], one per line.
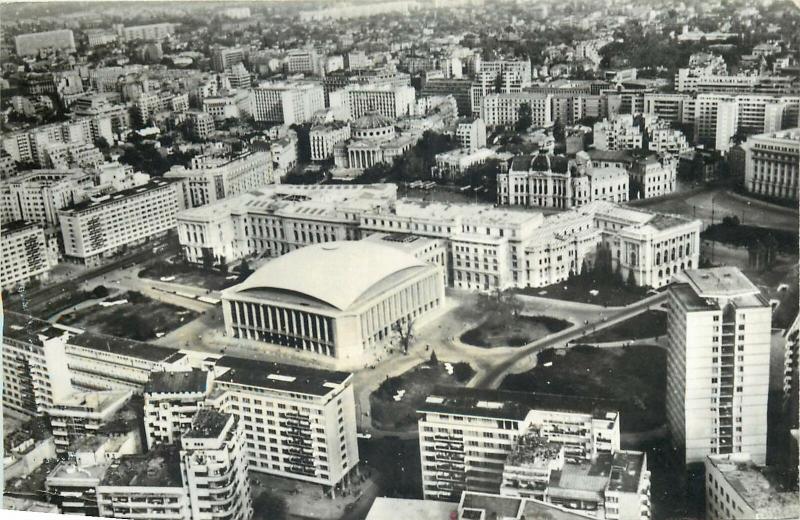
[201, 124]
[37, 196]
[791, 360]
[171, 401]
[669, 107]
[97, 37]
[653, 176]
[155, 31]
[324, 137]
[738, 489]
[26, 254]
[214, 466]
[72, 488]
[286, 102]
[621, 133]
[223, 59]
[31, 44]
[471, 134]
[35, 373]
[145, 486]
[29, 145]
[503, 109]
[97, 228]
[454, 163]
[490, 505]
[458, 88]
[350, 317]
[299, 422]
[551, 181]
[82, 414]
[772, 164]
[229, 104]
[374, 140]
[209, 179]
[389, 100]
[466, 435]
[719, 330]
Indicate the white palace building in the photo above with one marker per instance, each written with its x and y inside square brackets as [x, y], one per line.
[334, 300]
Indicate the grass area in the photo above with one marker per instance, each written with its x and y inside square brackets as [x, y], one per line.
[646, 325]
[576, 289]
[141, 319]
[742, 235]
[70, 296]
[388, 414]
[508, 331]
[633, 377]
[187, 274]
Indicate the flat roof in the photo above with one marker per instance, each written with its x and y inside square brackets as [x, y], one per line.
[626, 471]
[17, 225]
[160, 467]
[279, 376]
[504, 404]
[758, 487]
[412, 509]
[720, 281]
[28, 329]
[151, 185]
[207, 423]
[533, 449]
[691, 300]
[189, 381]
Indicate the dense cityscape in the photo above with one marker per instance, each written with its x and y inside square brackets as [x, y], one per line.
[447, 260]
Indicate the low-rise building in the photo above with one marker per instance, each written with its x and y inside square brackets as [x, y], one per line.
[453, 164]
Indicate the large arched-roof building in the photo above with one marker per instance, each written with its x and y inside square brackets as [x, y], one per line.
[337, 299]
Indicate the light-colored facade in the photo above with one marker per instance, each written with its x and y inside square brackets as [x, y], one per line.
[466, 435]
[299, 422]
[98, 227]
[471, 134]
[29, 145]
[325, 137]
[375, 140]
[772, 164]
[719, 330]
[30, 44]
[653, 176]
[156, 31]
[35, 373]
[389, 100]
[37, 196]
[26, 254]
[209, 179]
[279, 306]
[503, 109]
[214, 467]
[454, 163]
[171, 401]
[287, 103]
[618, 134]
[738, 489]
[82, 414]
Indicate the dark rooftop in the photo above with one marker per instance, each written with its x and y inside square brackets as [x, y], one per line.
[24, 328]
[17, 225]
[151, 185]
[281, 377]
[502, 404]
[499, 506]
[690, 299]
[626, 470]
[207, 423]
[160, 467]
[189, 381]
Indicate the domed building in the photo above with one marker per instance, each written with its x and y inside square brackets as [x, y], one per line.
[375, 140]
[338, 300]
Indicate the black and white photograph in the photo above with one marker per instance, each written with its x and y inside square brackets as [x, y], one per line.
[400, 259]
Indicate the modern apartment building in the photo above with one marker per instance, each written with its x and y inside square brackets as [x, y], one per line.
[719, 330]
[38, 195]
[35, 373]
[389, 100]
[619, 133]
[503, 109]
[471, 134]
[30, 44]
[214, 467]
[466, 435]
[325, 137]
[287, 102]
[171, 401]
[155, 31]
[29, 145]
[82, 414]
[299, 422]
[26, 254]
[223, 59]
[772, 164]
[209, 179]
[738, 489]
[98, 227]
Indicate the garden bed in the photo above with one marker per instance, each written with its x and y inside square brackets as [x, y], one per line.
[510, 331]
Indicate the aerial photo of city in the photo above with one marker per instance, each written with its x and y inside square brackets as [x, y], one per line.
[400, 259]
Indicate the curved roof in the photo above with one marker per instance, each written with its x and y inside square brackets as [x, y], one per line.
[372, 120]
[336, 273]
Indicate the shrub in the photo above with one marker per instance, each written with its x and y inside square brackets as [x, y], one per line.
[463, 372]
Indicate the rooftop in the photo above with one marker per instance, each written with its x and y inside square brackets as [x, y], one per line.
[533, 450]
[280, 377]
[154, 184]
[726, 281]
[17, 225]
[160, 467]
[509, 405]
[385, 507]
[758, 487]
[626, 471]
[208, 423]
[191, 381]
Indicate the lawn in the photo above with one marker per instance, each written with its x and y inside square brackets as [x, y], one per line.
[646, 325]
[187, 274]
[576, 289]
[140, 319]
[70, 296]
[389, 414]
[743, 236]
[633, 377]
[506, 331]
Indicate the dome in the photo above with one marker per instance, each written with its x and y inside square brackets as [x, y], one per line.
[338, 274]
[372, 120]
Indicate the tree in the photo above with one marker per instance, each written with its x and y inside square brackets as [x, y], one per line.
[269, 506]
[102, 144]
[244, 271]
[558, 131]
[434, 360]
[405, 331]
[631, 278]
[208, 259]
[525, 118]
[101, 291]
